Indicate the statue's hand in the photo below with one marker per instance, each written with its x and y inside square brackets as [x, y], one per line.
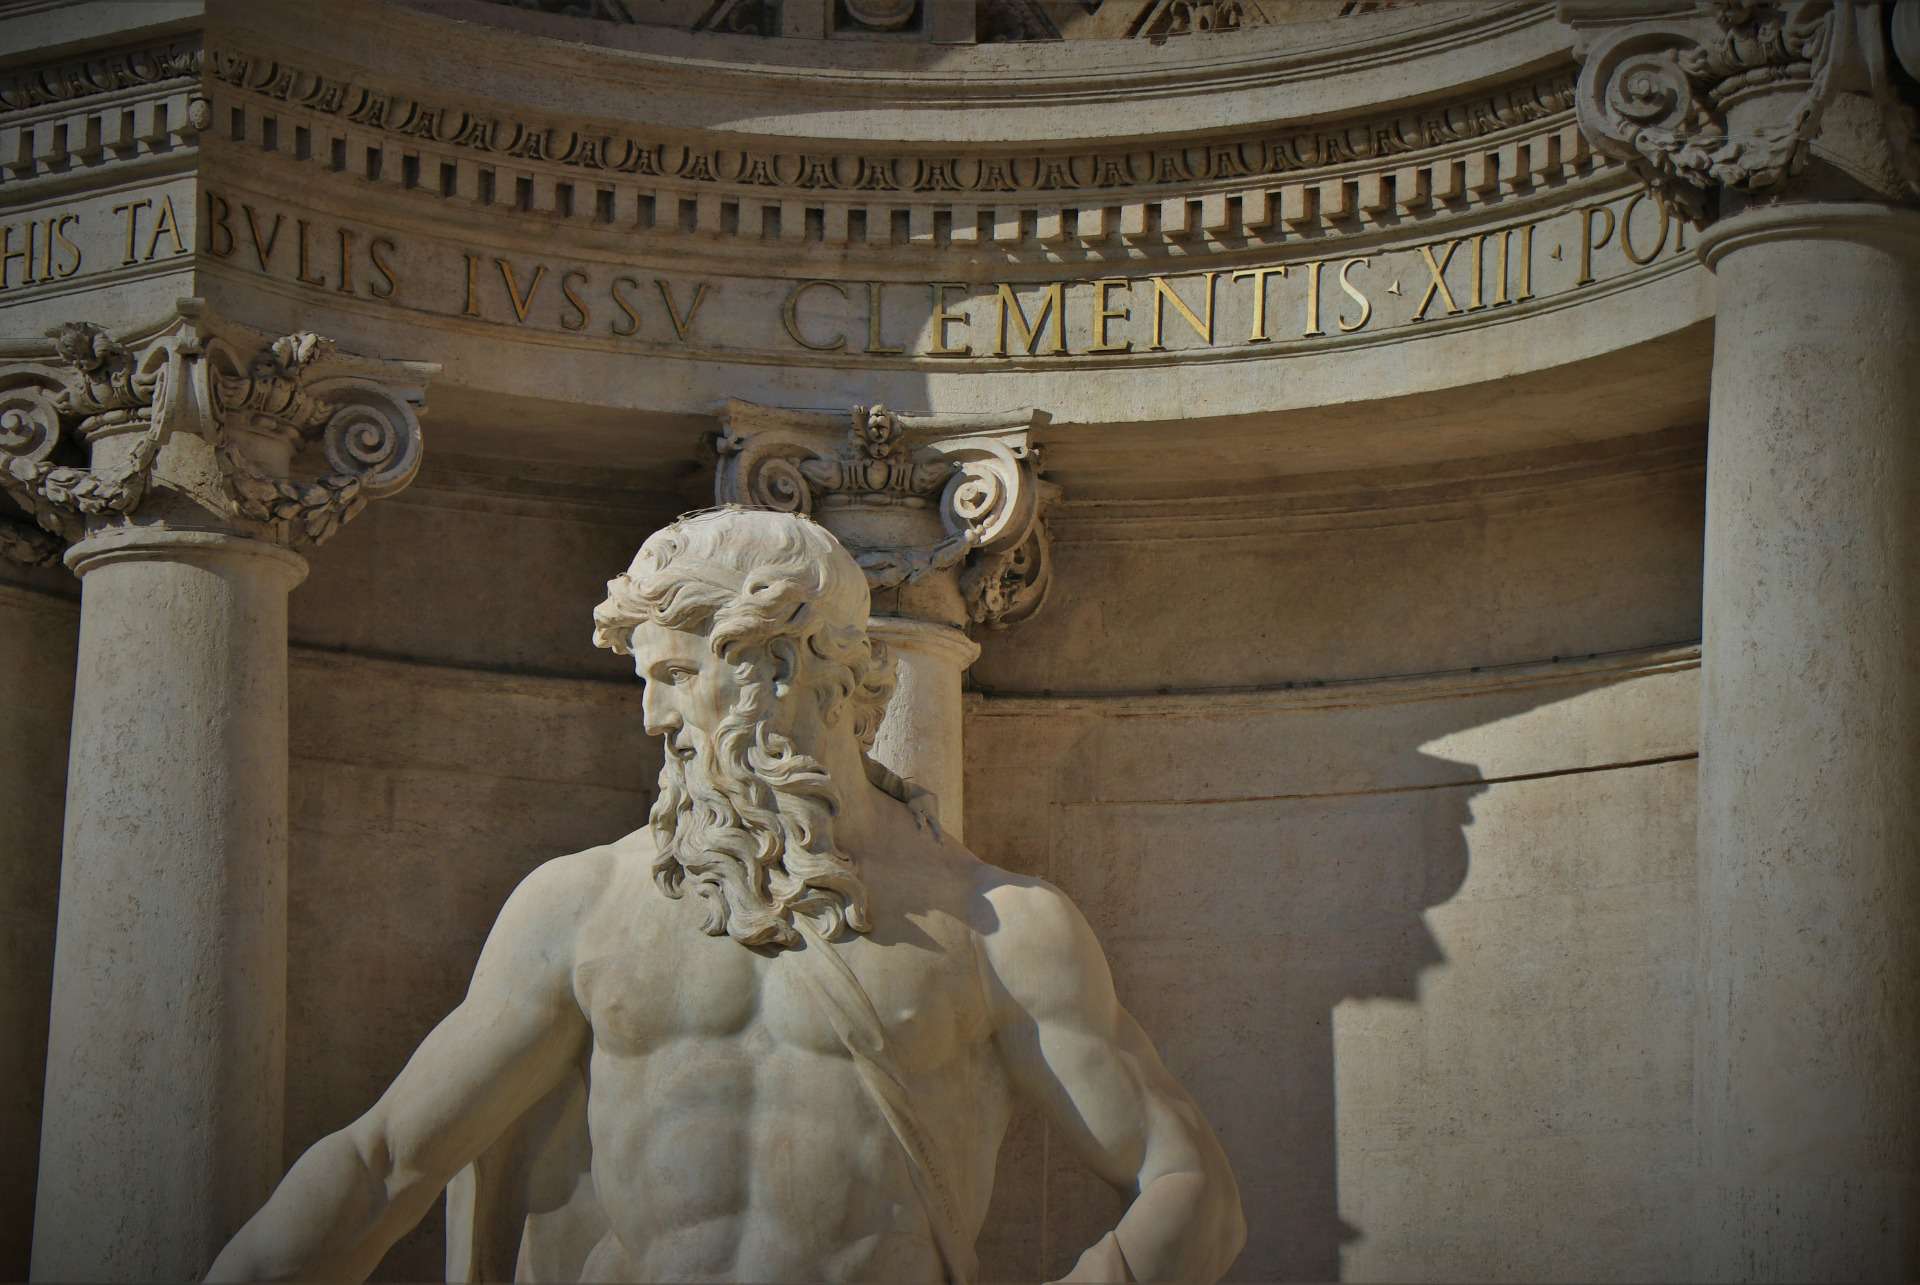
[924, 806]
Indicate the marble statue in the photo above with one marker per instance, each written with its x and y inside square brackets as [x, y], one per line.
[795, 1012]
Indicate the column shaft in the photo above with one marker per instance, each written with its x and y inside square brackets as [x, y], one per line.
[165, 1075]
[1807, 1050]
[922, 736]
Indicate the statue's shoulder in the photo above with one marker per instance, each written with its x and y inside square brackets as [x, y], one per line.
[1018, 913]
[565, 891]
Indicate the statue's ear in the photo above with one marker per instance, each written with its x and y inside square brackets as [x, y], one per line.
[785, 658]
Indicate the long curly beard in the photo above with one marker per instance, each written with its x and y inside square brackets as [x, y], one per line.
[746, 823]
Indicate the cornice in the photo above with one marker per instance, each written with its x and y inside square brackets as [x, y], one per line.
[109, 116]
[925, 80]
[1514, 140]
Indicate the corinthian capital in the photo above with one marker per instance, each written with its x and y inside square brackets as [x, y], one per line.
[945, 513]
[282, 439]
[1746, 95]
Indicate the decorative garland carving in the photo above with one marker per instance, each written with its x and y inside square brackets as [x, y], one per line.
[1733, 96]
[370, 438]
[979, 474]
[182, 381]
[103, 390]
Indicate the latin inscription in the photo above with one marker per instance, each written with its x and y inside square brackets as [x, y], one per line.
[1305, 299]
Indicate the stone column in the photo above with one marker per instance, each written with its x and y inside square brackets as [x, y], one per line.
[921, 738]
[1781, 127]
[944, 513]
[165, 1070]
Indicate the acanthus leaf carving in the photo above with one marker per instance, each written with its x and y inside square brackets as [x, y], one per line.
[1732, 96]
[81, 432]
[969, 486]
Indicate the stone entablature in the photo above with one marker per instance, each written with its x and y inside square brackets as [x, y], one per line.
[134, 111]
[1263, 185]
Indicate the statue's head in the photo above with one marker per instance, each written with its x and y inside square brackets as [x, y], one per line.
[750, 630]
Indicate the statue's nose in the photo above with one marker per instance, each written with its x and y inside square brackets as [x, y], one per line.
[657, 713]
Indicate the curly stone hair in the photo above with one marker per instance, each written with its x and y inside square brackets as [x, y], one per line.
[760, 583]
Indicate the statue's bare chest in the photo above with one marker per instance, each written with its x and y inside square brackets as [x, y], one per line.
[672, 985]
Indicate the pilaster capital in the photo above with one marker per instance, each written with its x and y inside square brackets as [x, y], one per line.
[945, 513]
[200, 423]
[1761, 99]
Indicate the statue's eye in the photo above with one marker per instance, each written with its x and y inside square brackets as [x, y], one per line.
[679, 674]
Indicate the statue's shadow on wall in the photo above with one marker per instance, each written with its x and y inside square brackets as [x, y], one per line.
[1244, 896]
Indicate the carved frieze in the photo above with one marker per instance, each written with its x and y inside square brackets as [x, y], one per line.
[75, 79]
[913, 496]
[83, 431]
[1733, 94]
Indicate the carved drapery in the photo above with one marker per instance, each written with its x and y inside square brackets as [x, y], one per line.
[84, 432]
[1733, 94]
[911, 495]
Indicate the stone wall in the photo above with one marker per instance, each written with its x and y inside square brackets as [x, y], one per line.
[1442, 924]
[38, 632]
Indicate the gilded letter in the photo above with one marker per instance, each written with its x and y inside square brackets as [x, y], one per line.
[60, 231]
[790, 316]
[1313, 301]
[392, 283]
[1353, 292]
[520, 302]
[1526, 264]
[300, 270]
[262, 251]
[1437, 271]
[1260, 275]
[168, 223]
[1626, 230]
[1587, 244]
[473, 287]
[8, 254]
[875, 316]
[1103, 313]
[620, 301]
[681, 325]
[942, 318]
[345, 284]
[573, 301]
[218, 223]
[132, 211]
[1055, 307]
[1162, 292]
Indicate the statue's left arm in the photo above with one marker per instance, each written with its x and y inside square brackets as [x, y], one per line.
[1067, 1043]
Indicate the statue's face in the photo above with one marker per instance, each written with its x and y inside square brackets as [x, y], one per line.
[689, 689]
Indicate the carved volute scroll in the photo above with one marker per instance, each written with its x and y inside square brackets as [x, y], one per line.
[943, 512]
[1732, 95]
[298, 438]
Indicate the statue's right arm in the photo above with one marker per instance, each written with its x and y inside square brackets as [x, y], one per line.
[357, 1191]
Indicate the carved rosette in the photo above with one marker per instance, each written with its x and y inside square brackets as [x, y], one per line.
[970, 486]
[1733, 95]
[83, 431]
